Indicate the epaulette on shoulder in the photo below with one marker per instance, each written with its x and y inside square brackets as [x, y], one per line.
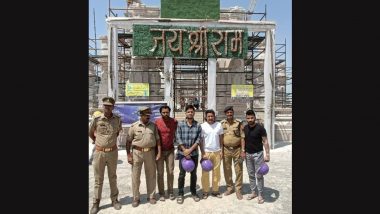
[238, 120]
[134, 123]
[223, 121]
[98, 116]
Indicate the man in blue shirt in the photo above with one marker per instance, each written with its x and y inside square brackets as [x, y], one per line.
[188, 139]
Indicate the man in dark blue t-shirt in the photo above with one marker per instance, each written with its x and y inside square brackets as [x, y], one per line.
[255, 140]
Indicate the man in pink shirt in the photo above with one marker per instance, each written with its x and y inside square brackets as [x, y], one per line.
[166, 128]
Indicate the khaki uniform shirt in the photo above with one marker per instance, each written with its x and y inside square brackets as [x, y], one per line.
[143, 135]
[232, 132]
[106, 130]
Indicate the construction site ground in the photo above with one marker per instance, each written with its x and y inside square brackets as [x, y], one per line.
[277, 190]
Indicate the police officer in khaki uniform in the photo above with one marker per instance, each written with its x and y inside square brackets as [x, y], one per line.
[143, 138]
[104, 130]
[234, 151]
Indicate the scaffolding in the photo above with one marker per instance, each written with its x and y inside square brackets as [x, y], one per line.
[93, 74]
[190, 75]
[280, 87]
[283, 98]
[190, 83]
[98, 66]
[98, 63]
[249, 75]
[253, 69]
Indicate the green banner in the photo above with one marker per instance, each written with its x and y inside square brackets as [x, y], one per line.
[190, 9]
[189, 42]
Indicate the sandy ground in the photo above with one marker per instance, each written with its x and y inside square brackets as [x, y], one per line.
[277, 190]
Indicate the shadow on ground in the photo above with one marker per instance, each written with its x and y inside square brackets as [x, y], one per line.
[143, 197]
[270, 195]
[281, 144]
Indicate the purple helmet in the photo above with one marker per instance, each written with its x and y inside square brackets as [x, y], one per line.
[263, 169]
[206, 165]
[187, 164]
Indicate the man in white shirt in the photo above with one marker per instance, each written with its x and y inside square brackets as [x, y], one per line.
[211, 148]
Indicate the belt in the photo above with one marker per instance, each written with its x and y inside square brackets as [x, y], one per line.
[254, 152]
[232, 147]
[109, 149]
[142, 149]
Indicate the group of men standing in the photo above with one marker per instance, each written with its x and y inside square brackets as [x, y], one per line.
[152, 144]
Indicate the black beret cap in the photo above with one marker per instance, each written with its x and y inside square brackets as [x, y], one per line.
[227, 108]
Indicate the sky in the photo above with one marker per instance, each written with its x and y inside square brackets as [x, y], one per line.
[279, 11]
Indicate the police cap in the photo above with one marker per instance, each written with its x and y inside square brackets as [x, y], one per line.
[108, 101]
[227, 108]
[145, 110]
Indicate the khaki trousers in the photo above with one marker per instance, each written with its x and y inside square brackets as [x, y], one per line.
[148, 159]
[100, 161]
[168, 158]
[232, 155]
[215, 159]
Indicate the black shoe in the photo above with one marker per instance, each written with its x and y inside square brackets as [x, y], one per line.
[116, 204]
[95, 208]
[216, 194]
[205, 195]
[180, 199]
[171, 196]
[196, 197]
